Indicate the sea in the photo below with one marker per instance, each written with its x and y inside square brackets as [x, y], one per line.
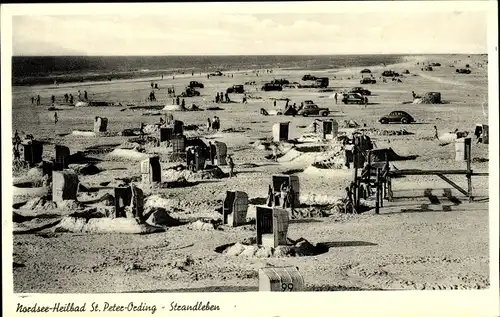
[43, 70]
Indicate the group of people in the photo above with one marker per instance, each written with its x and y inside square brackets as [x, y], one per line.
[171, 91]
[37, 100]
[213, 124]
[284, 198]
[154, 85]
[220, 97]
[179, 102]
[68, 98]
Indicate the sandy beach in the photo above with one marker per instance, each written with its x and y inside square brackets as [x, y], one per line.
[414, 243]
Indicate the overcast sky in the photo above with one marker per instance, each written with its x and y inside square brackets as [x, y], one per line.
[213, 33]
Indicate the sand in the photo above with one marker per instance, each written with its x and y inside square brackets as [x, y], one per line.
[412, 244]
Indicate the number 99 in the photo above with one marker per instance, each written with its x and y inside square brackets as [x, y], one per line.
[286, 287]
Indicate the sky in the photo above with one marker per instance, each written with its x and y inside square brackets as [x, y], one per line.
[212, 33]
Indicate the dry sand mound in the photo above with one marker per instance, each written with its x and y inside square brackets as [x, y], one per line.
[157, 216]
[317, 199]
[126, 154]
[84, 133]
[175, 175]
[301, 247]
[40, 203]
[314, 171]
[260, 145]
[202, 226]
[105, 225]
[81, 104]
[85, 169]
[34, 225]
[174, 108]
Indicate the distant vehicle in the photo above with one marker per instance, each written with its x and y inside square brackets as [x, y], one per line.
[309, 77]
[361, 90]
[311, 109]
[463, 71]
[195, 84]
[217, 73]
[236, 89]
[280, 81]
[390, 73]
[190, 92]
[367, 80]
[366, 71]
[272, 87]
[353, 98]
[397, 116]
[322, 82]
[435, 64]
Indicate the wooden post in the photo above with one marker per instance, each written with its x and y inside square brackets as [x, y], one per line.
[358, 188]
[381, 188]
[469, 171]
[377, 207]
[369, 170]
[389, 189]
[354, 195]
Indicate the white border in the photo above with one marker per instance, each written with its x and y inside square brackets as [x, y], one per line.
[397, 303]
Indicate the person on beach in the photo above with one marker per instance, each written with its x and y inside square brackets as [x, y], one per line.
[79, 95]
[366, 101]
[315, 125]
[32, 100]
[227, 97]
[275, 152]
[245, 98]
[231, 165]
[55, 118]
[177, 101]
[152, 85]
[70, 98]
[274, 103]
[217, 98]
[38, 100]
[183, 104]
[66, 98]
[53, 98]
[217, 120]
[413, 94]
[214, 123]
[336, 97]
[85, 95]
[436, 136]
[141, 131]
[283, 195]
[209, 124]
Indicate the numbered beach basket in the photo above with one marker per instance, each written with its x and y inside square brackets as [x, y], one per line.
[280, 279]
